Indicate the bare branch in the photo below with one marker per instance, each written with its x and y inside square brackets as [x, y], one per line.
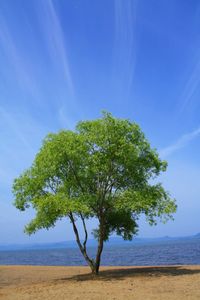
[81, 247]
[85, 229]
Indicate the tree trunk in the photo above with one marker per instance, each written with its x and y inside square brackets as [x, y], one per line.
[82, 248]
[94, 265]
[100, 248]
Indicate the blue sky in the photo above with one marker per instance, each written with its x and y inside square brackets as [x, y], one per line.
[64, 61]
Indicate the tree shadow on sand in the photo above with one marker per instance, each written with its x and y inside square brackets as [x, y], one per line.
[123, 273]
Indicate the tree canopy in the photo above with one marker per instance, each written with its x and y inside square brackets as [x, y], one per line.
[105, 169]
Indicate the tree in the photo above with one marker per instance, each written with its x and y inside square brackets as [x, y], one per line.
[103, 169]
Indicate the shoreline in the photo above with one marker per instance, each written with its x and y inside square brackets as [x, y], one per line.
[119, 282]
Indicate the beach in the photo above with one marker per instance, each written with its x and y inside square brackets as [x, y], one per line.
[43, 282]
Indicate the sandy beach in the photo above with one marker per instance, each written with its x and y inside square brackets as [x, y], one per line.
[38, 282]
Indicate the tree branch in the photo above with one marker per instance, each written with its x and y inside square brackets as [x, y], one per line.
[81, 247]
[76, 177]
[86, 234]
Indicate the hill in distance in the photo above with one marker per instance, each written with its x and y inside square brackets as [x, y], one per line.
[113, 241]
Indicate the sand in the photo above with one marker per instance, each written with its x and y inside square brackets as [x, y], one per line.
[38, 282]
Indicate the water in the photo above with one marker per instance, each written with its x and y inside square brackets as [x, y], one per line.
[167, 253]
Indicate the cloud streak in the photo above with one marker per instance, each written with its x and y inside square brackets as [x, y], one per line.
[180, 143]
[192, 85]
[17, 62]
[125, 42]
[10, 121]
[65, 120]
[21, 137]
[56, 41]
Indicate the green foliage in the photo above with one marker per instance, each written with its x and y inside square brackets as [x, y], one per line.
[103, 169]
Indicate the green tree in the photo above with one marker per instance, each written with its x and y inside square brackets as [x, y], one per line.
[104, 170]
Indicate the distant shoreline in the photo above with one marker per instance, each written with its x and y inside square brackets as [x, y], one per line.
[120, 282]
[92, 243]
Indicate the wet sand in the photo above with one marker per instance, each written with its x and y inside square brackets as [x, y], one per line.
[156, 283]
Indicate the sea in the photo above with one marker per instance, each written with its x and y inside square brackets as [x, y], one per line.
[172, 252]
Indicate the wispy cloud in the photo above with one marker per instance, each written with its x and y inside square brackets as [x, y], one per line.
[192, 85]
[21, 137]
[65, 120]
[180, 143]
[56, 41]
[56, 45]
[125, 41]
[15, 148]
[11, 123]
[17, 63]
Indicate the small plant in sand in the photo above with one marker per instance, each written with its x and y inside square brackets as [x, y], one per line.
[104, 169]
